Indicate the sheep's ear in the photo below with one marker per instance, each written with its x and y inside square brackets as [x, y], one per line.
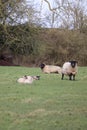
[41, 64]
[73, 61]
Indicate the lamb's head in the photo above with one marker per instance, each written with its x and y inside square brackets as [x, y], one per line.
[25, 77]
[36, 77]
[73, 63]
[42, 65]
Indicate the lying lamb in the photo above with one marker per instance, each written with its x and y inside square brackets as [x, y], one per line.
[50, 68]
[70, 68]
[28, 79]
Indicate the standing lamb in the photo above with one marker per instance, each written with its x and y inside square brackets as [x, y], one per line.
[28, 79]
[70, 68]
[50, 69]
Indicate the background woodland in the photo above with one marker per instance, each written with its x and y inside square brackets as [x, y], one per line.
[26, 39]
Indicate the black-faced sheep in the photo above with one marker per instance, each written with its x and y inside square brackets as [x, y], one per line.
[70, 68]
[50, 69]
[28, 79]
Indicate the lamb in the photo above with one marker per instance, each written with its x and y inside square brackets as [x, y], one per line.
[28, 79]
[70, 68]
[50, 69]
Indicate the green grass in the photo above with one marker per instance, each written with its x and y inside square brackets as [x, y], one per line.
[48, 104]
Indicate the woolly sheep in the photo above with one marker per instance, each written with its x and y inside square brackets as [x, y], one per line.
[70, 68]
[28, 79]
[50, 69]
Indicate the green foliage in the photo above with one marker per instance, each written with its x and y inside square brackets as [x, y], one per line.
[48, 104]
[52, 46]
[19, 39]
[23, 42]
[15, 36]
[21, 33]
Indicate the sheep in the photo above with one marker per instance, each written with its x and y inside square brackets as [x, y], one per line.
[70, 69]
[28, 79]
[50, 69]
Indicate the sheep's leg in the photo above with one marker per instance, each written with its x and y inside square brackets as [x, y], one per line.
[62, 76]
[70, 77]
[73, 77]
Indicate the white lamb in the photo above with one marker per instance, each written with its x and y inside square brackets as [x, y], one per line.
[70, 68]
[50, 69]
[28, 79]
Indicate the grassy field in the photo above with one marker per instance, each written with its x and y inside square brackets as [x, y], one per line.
[48, 104]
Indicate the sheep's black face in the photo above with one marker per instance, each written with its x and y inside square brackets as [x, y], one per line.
[42, 66]
[73, 63]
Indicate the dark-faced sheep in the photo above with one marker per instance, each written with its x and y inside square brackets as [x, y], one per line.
[70, 68]
[50, 69]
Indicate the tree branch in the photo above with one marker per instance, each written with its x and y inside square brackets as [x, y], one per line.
[50, 8]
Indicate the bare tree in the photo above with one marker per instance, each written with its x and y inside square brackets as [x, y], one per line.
[67, 13]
